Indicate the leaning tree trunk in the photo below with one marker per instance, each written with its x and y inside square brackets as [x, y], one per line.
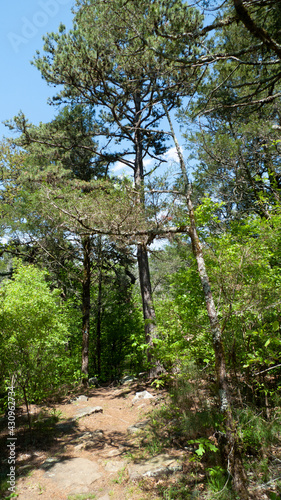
[230, 451]
[86, 304]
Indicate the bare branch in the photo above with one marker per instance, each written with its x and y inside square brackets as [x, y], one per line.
[268, 369]
[238, 105]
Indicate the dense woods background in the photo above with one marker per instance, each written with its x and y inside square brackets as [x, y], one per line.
[174, 269]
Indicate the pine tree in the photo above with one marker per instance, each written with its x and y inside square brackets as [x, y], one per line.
[118, 70]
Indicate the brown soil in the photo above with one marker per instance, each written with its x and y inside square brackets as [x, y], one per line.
[102, 442]
[111, 447]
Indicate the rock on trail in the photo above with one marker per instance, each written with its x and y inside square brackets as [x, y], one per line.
[75, 474]
[89, 453]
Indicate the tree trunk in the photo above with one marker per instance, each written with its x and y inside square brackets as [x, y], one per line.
[258, 31]
[148, 310]
[98, 331]
[142, 254]
[230, 449]
[86, 305]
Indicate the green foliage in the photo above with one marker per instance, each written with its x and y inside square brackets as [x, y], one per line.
[126, 69]
[158, 383]
[257, 433]
[178, 491]
[121, 476]
[122, 334]
[218, 479]
[34, 327]
[191, 417]
[207, 212]
[244, 262]
[183, 325]
[245, 271]
[4, 486]
[273, 495]
[46, 420]
[204, 446]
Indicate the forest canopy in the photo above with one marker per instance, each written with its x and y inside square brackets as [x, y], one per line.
[173, 268]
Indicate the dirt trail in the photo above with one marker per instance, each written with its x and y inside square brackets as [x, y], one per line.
[89, 457]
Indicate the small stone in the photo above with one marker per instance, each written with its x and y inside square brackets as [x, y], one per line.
[49, 462]
[79, 446]
[127, 380]
[154, 467]
[86, 435]
[111, 453]
[81, 399]
[88, 440]
[133, 429]
[142, 395]
[98, 433]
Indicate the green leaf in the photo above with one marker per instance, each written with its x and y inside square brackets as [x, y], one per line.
[201, 450]
[275, 326]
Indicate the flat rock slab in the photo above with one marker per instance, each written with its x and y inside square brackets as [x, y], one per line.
[154, 467]
[88, 410]
[75, 473]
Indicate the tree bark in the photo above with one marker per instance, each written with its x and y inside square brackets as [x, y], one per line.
[253, 28]
[149, 316]
[86, 305]
[230, 447]
[99, 315]
[148, 311]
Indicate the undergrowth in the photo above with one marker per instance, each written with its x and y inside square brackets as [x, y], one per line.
[190, 421]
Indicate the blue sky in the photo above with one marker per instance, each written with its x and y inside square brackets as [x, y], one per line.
[23, 23]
